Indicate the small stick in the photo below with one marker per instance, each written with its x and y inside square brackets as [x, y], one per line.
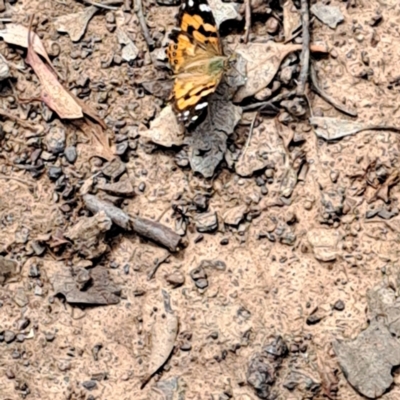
[107, 5]
[269, 103]
[305, 52]
[152, 230]
[250, 134]
[329, 99]
[248, 21]
[156, 266]
[142, 21]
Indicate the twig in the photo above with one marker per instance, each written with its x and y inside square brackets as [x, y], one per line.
[250, 134]
[156, 266]
[107, 5]
[248, 20]
[142, 21]
[269, 103]
[152, 230]
[23, 123]
[329, 99]
[305, 52]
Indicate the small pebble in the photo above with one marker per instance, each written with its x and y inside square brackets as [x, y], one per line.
[175, 279]
[89, 385]
[54, 172]
[9, 336]
[339, 305]
[71, 154]
[186, 346]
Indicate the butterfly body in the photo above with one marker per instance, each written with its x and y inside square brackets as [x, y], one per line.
[196, 58]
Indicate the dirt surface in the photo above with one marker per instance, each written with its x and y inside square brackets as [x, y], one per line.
[280, 246]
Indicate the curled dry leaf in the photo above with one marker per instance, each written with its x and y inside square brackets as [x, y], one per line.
[163, 337]
[165, 129]
[53, 93]
[208, 140]
[75, 24]
[224, 11]
[18, 35]
[263, 62]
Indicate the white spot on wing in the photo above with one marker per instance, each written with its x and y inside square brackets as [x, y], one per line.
[204, 7]
[201, 105]
[191, 3]
[183, 6]
[186, 113]
[195, 117]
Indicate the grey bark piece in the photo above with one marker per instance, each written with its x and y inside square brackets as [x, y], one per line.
[368, 360]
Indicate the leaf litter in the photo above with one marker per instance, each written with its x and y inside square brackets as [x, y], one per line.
[75, 24]
[163, 336]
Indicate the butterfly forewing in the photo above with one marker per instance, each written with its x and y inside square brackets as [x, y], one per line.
[192, 54]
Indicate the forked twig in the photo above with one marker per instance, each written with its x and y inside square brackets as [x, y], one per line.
[305, 52]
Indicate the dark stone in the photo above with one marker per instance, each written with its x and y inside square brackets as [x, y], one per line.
[198, 273]
[71, 154]
[54, 172]
[22, 323]
[201, 283]
[277, 348]
[9, 336]
[121, 148]
[260, 375]
[201, 202]
[339, 305]
[89, 385]
[186, 346]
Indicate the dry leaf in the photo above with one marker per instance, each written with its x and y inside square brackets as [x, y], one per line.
[18, 35]
[165, 129]
[263, 62]
[163, 337]
[291, 19]
[224, 11]
[53, 93]
[75, 24]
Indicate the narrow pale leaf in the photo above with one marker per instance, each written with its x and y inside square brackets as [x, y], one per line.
[18, 35]
[53, 93]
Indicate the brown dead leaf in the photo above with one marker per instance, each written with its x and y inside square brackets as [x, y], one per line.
[263, 62]
[18, 35]
[53, 92]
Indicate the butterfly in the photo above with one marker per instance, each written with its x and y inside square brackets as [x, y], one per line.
[196, 58]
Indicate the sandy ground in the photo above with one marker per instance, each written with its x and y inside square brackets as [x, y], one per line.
[298, 270]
